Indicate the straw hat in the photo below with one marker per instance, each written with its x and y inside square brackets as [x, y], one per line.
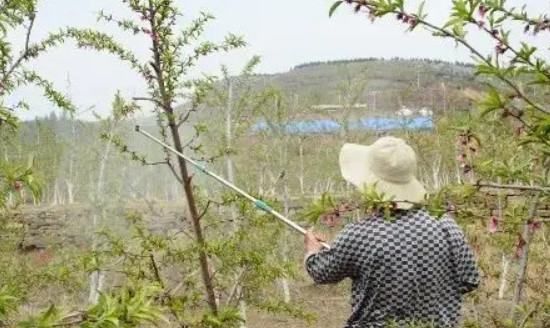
[389, 164]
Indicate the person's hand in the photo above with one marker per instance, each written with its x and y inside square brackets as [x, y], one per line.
[312, 242]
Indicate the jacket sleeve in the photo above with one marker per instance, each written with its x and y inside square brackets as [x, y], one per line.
[337, 263]
[463, 259]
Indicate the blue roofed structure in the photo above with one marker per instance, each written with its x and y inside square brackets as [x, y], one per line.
[328, 126]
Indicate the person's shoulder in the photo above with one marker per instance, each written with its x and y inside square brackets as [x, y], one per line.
[353, 232]
[364, 225]
[447, 219]
[355, 225]
[449, 224]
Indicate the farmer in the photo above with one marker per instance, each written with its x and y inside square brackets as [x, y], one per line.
[410, 269]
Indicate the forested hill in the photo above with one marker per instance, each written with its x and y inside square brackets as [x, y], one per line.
[389, 83]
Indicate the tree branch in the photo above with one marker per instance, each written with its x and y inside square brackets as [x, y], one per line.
[72, 319]
[155, 101]
[183, 118]
[523, 259]
[190, 142]
[235, 288]
[514, 51]
[167, 294]
[527, 317]
[205, 210]
[173, 169]
[465, 43]
[155, 163]
[445, 33]
[480, 184]
[25, 52]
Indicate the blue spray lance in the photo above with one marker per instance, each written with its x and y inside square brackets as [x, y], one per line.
[257, 202]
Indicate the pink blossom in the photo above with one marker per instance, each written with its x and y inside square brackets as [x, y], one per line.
[501, 48]
[493, 225]
[534, 226]
[519, 246]
[483, 10]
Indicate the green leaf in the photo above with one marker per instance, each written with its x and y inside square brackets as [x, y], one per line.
[420, 12]
[334, 7]
[492, 101]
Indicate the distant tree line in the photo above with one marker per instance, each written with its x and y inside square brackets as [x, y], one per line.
[371, 59]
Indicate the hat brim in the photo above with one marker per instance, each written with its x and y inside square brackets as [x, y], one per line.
[355, 169]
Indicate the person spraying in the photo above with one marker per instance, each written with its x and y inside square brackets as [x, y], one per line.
[410, 270]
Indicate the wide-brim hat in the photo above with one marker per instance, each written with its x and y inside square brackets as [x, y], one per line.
[389, 165]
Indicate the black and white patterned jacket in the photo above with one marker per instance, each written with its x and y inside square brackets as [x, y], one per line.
[410, 268]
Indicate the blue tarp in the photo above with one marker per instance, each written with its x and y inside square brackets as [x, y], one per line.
[327, 126]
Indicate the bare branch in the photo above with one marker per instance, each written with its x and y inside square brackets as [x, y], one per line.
[235, 288]
[155, 163]
[480, 184]
[173, 169]
[184, 117]
[72, 319]
[528, 316]
[190, 142]
[205, 210]
[186, 233]
[167, 294]
[155, 101]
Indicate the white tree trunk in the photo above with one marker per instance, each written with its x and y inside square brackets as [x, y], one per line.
[97, 277]
[70, 192]
[301, 177]
[436, 170]
[70, 176]
[54, 195]
[284, 251]
[504, 277]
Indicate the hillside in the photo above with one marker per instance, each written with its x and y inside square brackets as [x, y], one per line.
[390, 84]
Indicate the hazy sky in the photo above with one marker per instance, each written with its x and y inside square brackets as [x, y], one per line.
[283, 32]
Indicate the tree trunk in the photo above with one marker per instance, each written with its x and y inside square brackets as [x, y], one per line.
[284, 250]
[504, 276]
[523, 259]
[190, 198]
[55, 196]
[70, 192]
[69, 180]
[301, 178]
[231, 178]
[505, 259]
[96, 277]
[166, 101]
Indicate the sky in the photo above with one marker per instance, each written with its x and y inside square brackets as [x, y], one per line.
[284, 33]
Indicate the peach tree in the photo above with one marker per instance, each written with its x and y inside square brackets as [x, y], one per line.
[215, 269]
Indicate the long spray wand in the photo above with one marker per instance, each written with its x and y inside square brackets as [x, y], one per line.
[257, 202]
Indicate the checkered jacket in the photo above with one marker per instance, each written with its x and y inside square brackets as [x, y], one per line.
[410, 268]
